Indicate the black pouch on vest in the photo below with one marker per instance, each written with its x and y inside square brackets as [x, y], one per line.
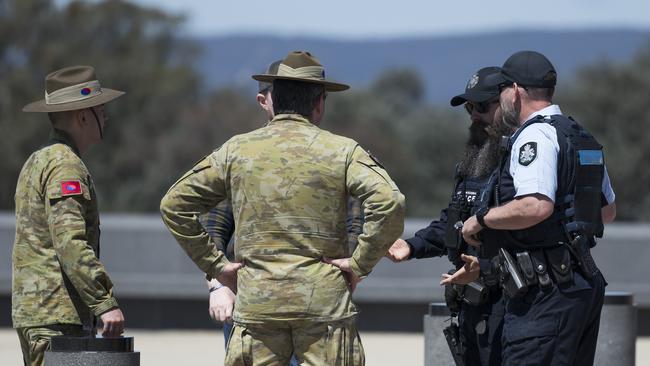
[475, 293]
[539, 263]
[559, 259]
[526, 265]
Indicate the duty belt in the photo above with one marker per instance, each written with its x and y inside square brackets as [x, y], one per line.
[540, 267]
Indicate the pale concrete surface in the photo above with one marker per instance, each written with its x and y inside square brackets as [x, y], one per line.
[161, 348]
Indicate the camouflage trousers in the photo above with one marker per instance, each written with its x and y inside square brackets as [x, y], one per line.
[34, 341]
[313, 343]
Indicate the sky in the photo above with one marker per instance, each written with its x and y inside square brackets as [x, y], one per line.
[362, 19]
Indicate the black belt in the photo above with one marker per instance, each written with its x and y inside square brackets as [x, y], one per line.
[539, 267]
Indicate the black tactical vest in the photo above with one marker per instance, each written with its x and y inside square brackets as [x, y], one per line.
[464, 203]
[578, 198]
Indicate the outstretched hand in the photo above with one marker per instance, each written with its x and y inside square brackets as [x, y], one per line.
[469, 272]
[344, 265]
[400, 251]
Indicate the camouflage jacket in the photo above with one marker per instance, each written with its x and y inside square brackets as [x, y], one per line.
[288, 183]
[220, 225]
[57, 277]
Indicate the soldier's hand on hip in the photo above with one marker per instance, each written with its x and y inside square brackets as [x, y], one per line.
[400, 251]
[222, 303]
[228, 276]
[113, 321]
[344, 265]
[471, 227]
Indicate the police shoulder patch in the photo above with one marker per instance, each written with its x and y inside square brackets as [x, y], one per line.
[527, 153]
[71, 188]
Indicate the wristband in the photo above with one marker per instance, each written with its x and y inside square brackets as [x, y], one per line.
[215, 288]
[480, 216]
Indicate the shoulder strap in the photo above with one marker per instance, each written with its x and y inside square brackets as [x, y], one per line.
[536, 119]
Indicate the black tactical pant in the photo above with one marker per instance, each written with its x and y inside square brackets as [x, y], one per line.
[480, 330]
[554, 326]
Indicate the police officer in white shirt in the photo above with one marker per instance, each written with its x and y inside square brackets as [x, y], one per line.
[551, 195]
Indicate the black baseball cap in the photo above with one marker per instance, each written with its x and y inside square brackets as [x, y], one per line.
[530, 68]
[272, 70]
[481, 87]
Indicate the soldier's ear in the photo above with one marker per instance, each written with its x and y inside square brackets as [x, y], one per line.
[80, 118]
[318, 111]
[262, 100]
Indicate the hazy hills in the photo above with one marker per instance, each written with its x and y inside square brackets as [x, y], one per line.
[444, 63]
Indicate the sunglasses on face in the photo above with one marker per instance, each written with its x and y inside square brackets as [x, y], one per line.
[481, 107]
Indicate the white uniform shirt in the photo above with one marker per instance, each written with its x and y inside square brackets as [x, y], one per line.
[533, 159]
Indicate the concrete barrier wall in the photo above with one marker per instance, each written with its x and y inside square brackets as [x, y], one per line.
[145, 262]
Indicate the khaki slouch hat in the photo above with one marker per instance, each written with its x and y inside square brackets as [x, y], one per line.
[72, 88]
[302, 66]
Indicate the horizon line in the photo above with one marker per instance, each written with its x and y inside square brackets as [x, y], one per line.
[414, 36]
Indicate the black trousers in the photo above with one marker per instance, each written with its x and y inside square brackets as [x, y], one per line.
[554, 326]
[480, 330]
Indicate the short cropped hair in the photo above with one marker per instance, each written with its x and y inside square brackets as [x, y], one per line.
[295, 97]
[540, 93]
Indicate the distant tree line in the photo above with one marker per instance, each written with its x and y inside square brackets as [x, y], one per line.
[168, 120]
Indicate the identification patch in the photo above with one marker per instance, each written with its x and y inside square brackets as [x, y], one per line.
[71, 188]
[590, 157]
[527, 153]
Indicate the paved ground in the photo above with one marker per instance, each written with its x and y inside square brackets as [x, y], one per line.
[162, 348]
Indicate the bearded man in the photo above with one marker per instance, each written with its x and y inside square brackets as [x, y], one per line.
[480, 322]
[551, 202]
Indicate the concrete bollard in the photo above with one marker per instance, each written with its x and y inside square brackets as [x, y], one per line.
[82, 351]
[618, 329]
[436, 350]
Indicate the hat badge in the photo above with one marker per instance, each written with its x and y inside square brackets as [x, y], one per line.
[473, 81]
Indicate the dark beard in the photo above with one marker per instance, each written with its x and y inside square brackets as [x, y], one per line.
[480, 159]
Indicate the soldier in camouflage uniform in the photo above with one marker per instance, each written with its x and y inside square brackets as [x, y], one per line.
[220, 225]
[59, 285]
[288, 183]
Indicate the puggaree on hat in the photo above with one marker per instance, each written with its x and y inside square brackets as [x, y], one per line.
[72, 88]
[302, 66]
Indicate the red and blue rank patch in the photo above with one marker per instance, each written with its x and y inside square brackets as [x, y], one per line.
[85, 91]
[70, 188]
